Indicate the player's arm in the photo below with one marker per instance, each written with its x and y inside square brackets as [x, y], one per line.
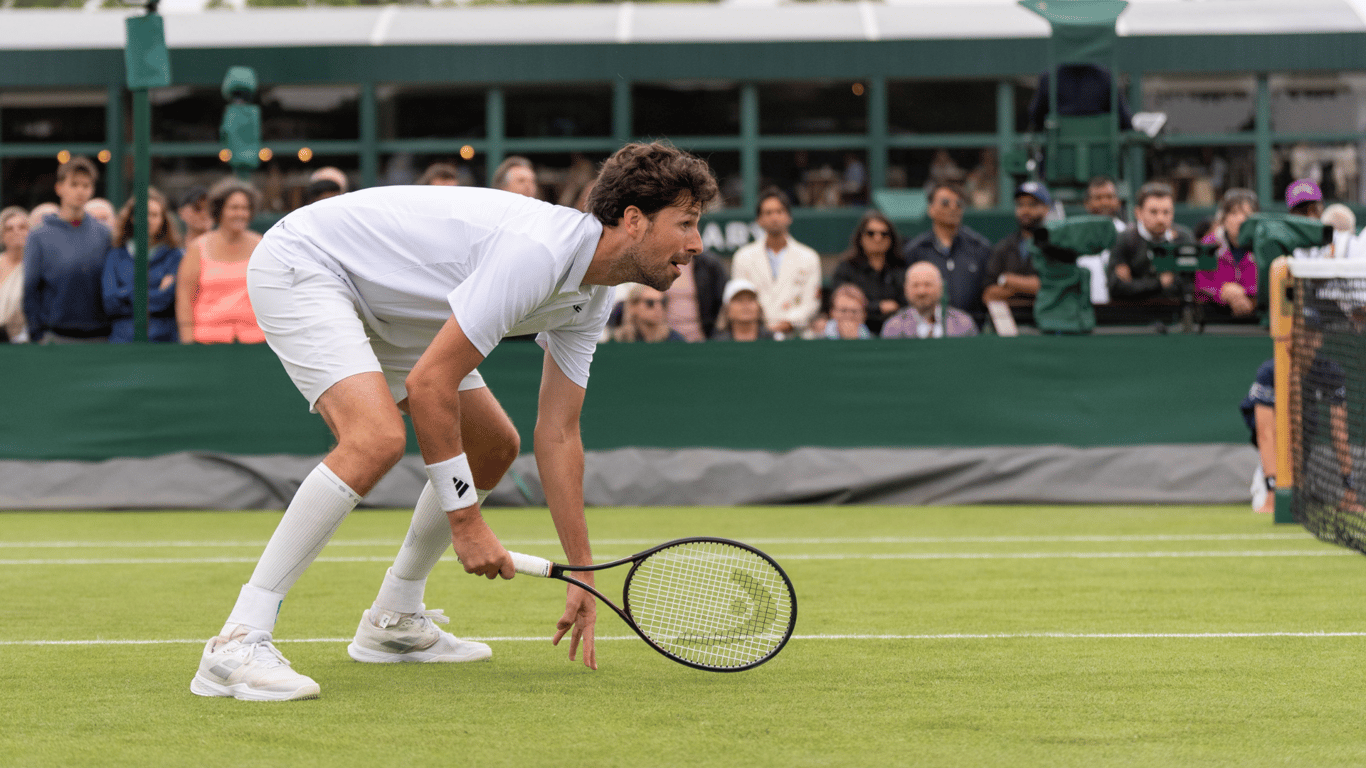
[559, 459]
[434, 404]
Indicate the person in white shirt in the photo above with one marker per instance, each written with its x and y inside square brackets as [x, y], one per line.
[1102, 199]
[385, 300]
[786, 273]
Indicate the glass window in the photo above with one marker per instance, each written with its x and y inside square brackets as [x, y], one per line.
[976, 170]
[726, 167]
[186, 113]
[817, 179]
[941, 106]
[1336, 167]
[52, 116]
[813, 107]
[428, 112]
[1202, 104]
[693, 108]
[1318, 102]
[550, 111]
[1200, 175]
[310, 112]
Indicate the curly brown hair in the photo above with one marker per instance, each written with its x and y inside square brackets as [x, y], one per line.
[123, 228]
[219, 194]
[650, 177]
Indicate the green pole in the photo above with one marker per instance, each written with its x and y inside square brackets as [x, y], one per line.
[1005, 140]
[142, 130]
[877, 134]
[494, 128]
[1262, 139]
[369, 135]
[621, 110]
[115, 182]
[749, 144]
[1133, 177]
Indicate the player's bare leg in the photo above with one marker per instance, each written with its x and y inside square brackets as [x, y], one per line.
[398, 627]
[242, 661]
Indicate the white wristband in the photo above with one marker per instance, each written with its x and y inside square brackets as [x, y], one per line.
[453, 483]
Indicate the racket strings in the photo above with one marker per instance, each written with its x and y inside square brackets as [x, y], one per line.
[711, 604]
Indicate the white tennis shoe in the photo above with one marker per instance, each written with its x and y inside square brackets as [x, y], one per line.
[384, 637]
[250, 668]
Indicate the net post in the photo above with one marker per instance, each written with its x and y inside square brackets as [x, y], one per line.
[1282, 308]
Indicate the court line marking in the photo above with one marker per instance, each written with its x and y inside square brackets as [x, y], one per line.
[651, 542]
[945, 636]
[1327, 551]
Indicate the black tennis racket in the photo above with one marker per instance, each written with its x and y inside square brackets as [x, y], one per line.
[709, 603]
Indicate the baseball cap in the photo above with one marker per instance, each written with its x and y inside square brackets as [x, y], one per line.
[735, 286]
[1035, 190]
[1302, 191]
[192, 196]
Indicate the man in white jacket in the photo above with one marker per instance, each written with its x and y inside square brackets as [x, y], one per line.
[786, 273]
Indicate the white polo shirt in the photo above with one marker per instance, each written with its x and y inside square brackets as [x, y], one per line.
[504, 264]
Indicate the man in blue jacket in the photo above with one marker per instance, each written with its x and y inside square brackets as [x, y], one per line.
[64, 264]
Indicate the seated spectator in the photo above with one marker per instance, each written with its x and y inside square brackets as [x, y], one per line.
[925, 318]
[1083, 89]
[1102, 199]
[1132, 276]
[516, 174]
[742, 316]
[960, 253]
[440, 175]
[193, 210]
[63, 262]
[14, 222]
[644, 317]
[1304, 198]
[848, 310]
[164, 244]
[1233, 284]
[321, 190]
[694, 300]
[1010, 272]
[1344, 224]
[873, 264]
[786, 274]
[334, 174]
[211, 302]
[101, 210]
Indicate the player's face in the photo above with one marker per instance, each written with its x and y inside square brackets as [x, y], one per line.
[670, 240]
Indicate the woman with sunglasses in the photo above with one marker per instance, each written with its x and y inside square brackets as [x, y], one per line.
[873, 263]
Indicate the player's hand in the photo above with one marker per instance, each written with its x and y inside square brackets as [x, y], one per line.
[475, 545]
[580, 616]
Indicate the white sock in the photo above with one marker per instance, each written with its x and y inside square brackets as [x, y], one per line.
[398, 596]
[256, 608]
[321, 504]
[429, 536]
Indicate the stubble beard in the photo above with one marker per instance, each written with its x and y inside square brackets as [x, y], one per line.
[635, 270]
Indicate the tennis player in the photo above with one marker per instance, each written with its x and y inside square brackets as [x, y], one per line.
[386, 300]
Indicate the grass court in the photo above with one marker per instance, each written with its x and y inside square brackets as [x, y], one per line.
[1050, 636]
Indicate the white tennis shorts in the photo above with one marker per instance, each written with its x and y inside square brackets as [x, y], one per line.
[312, 322]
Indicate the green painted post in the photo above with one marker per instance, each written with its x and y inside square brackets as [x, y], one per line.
[115, 182]
[142, 140]
[369, 135]
[621, 110]
[494, 126]
[749, 144]
[1005, 141]
[1262, 139]
[1134, 173]
[877, 134]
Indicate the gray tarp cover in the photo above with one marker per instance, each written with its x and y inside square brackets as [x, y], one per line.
[1160, 474]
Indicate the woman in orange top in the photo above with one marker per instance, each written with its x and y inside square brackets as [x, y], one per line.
[211, 294]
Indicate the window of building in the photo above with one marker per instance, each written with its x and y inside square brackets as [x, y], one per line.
[817, 178]
[555, 111]
[689, 108]
[38, 116]
[1204, 104]
[310, 112]
[941, 106]
[813, 107]
[430, 112]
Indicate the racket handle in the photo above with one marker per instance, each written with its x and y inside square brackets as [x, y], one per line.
[531, 565]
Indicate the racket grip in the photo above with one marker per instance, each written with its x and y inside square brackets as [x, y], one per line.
[531, 565]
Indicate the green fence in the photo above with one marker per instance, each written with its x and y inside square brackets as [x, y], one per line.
[101, 402]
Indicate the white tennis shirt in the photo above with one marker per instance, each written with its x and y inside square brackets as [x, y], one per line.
[503, 264]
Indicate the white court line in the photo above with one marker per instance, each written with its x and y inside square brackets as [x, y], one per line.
[651, 542]
[1324, 552]
[948, 636]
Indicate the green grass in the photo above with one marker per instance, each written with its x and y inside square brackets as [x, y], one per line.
[988, 663]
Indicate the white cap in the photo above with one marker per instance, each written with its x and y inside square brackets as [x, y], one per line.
[735, 286]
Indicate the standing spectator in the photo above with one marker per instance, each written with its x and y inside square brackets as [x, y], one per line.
[321, 190]
[211, 303]
[101, 210]
[41, 211]
[742, 316]
[848, 310]
[1102, 199]
[163, 241]
[440, 175]
[516, 174]
[644, 317]
[1131, 274]
[14, 222]
[959, 252]
[1010, 272]
[333, 173]
[873, 263]
[926, 317]
[1233, 284]
[193, 211]
[786, 274]
[694, 300]
[63, 265]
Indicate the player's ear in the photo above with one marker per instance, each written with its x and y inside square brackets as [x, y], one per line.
[634, 221]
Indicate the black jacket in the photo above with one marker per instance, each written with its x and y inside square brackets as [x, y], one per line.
[1132, 249]
[877, 284]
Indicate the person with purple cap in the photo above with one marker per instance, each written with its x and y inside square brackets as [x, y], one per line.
[1304, 198]
[1010, 270]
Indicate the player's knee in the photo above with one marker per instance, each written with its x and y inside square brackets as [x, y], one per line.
[381, 445]
[508, 447]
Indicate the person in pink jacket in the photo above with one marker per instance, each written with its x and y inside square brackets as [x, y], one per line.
[1233, 283]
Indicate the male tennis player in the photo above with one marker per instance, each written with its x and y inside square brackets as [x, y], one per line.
[387, 299]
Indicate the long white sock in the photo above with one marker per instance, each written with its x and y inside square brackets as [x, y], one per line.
[429, 536]
[321, 504]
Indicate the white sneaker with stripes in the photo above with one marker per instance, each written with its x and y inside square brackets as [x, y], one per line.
[249, 667]
[384, 637]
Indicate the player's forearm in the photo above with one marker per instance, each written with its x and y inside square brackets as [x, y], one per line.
[559, 459]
